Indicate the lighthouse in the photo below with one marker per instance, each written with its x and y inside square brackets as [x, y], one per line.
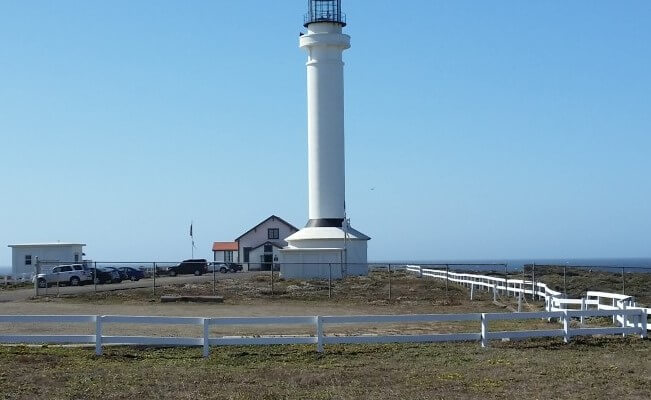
[327, 246]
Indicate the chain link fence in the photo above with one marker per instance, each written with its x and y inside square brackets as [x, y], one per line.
[384, 283]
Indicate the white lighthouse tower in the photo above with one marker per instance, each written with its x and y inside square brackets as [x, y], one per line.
[327, 246]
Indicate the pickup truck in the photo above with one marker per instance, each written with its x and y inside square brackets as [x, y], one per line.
[73, 275]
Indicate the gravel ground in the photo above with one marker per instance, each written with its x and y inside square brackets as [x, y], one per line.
[24, 294]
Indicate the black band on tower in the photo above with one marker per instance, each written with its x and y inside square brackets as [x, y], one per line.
[325, 222]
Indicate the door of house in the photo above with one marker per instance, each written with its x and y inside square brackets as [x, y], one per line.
[267, 260]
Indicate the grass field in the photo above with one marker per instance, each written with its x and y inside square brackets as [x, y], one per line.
[374, 289]
[596, 368]
[580, 280]
[587, 368]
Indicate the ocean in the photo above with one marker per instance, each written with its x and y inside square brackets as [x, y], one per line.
[643, 263]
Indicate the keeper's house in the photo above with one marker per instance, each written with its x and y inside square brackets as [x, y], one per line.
[23, 256]
[257, 248]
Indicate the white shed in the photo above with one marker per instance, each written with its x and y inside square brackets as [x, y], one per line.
[23, 256]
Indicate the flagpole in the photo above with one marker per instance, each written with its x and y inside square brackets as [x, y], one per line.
[191, 240]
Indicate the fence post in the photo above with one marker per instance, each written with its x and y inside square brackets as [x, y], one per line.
[494, 292]
[389, 266]
[506, 279]
[153, 287]
[643, 323]
[472, 290]
[624, 318]
[484, 331]
[533, 281]
[95, 277]
[98, 335]
[583, 308]
[214, 278]
[623, 282]
[206, 337]
[38, 271]
[447, 279]
[566, 327]
[272, 279]
[565, 282]
[319, 334]
[330, 280]
[420, 271]
[520, 302]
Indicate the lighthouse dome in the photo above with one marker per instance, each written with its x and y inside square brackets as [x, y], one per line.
[324, 11]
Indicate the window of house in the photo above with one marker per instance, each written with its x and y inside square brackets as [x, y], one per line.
[28, 260]
[76, 257]
[268, 248]
[273, 233]
[245, 254]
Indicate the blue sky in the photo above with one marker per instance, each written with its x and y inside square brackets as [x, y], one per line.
[503, 129]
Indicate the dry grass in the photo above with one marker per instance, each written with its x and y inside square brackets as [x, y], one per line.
[581, 280]
[374, 289]
[597, 368]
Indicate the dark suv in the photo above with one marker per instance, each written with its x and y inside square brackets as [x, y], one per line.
[197, 267]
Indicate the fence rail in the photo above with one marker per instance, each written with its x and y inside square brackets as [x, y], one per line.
[554, 300]
[632, 321]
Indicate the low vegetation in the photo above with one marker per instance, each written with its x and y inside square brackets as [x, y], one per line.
[577, 281]
[14, 286]
[595, 368]
[404, 290]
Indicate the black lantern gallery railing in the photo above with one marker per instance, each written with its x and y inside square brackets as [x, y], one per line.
[324, 11]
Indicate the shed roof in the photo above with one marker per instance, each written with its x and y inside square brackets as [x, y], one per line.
[225, 246]
[58, 244]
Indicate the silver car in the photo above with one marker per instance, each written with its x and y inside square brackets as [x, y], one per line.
[73, 275]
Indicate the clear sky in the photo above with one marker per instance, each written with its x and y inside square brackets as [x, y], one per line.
[474, 129]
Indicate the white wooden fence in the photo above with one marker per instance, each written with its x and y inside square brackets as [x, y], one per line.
[636, 317]
[554, 300]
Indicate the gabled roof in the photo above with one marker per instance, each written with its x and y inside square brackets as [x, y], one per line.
[268, 242]
[225, 246]
[271, 217]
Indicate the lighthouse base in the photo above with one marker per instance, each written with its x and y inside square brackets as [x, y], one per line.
[324, 253]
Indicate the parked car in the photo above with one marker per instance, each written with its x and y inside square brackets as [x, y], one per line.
[197, 267]
[123, 275]
[225, 267]
[132, 273]
[73, 275]
[146, 272]
[106, 275]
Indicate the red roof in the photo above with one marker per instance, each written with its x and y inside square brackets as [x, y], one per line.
[225, 246]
